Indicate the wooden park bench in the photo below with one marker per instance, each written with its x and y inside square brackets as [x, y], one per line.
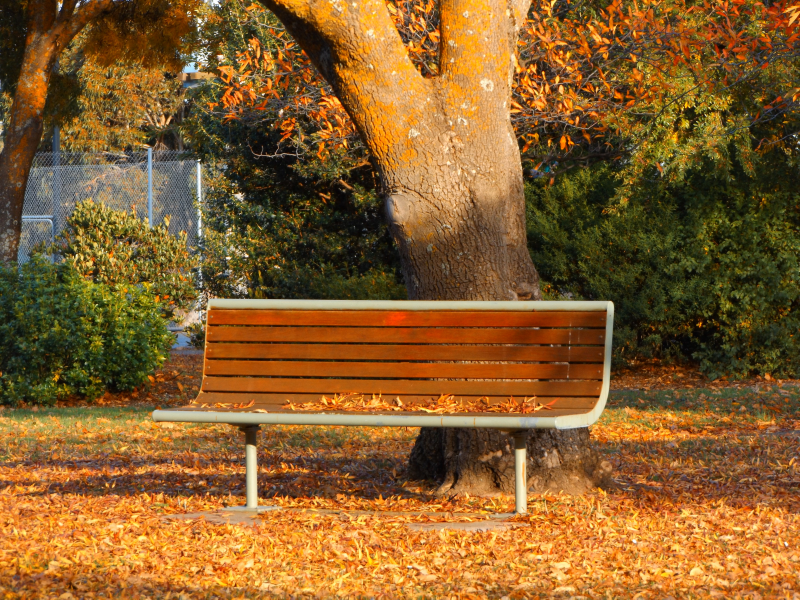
[513, 366]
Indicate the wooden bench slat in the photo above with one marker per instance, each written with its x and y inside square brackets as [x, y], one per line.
[388, 386]
[406, 318]
[399, 335]
[427, 352]
[403, 370]
[272, 401]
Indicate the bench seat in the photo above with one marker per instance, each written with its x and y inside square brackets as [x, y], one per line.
[265, 359]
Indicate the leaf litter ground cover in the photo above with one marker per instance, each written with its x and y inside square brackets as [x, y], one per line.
[706, 504]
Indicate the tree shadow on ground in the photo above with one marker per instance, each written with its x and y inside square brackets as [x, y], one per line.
[743, 470]
[740, 470]
[186, 476]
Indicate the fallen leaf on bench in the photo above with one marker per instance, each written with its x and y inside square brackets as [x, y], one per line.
[444, 404]
[538, 407]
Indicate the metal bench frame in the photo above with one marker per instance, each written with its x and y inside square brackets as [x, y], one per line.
[516, 426]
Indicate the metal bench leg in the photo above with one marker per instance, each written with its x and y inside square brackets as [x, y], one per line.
[520, 471]
[251, 464]
[251, 473]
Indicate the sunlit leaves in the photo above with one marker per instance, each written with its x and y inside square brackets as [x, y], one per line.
[274, 79]
[154, 32]
[112, 108]
[628, 65]
[588, 83]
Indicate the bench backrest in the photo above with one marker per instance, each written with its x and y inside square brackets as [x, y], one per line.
[271, 351]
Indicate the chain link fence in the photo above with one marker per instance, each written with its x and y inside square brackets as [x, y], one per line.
[154, 185]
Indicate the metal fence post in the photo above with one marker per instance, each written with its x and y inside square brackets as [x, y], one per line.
[150, 187]
[55, 211]
[199, 200]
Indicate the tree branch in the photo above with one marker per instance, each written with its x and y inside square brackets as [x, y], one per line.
[477, 59]
[519, 12]
[67, 9]
[82, 15]
[358, 50]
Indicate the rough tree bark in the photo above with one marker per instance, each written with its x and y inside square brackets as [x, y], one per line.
[49, 31]
[451, 174]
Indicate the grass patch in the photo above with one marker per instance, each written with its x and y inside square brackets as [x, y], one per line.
[699, 407]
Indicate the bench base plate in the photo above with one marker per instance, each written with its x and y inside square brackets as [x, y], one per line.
[241, 515]
[234, 515]
[246, 509]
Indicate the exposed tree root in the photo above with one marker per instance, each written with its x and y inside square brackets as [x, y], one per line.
[481, 462]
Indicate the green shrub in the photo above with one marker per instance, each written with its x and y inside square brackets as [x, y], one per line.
[61, 334]
[116, 248]
[196, 332]
[265, 236]
[706, 269]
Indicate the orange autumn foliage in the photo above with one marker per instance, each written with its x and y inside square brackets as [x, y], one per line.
[583, 77]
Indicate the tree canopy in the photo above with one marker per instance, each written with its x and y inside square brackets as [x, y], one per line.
[279, 224]
[714, 287]
[117, 107]
[670, 81]
[153, 32]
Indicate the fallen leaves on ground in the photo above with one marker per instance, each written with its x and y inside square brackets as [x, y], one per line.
[706, 504]
[656, 375]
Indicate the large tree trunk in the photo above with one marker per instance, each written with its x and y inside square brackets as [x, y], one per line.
[451, 174]
[461, 234]
[457, 213]
[481, 462]
[22, 139]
